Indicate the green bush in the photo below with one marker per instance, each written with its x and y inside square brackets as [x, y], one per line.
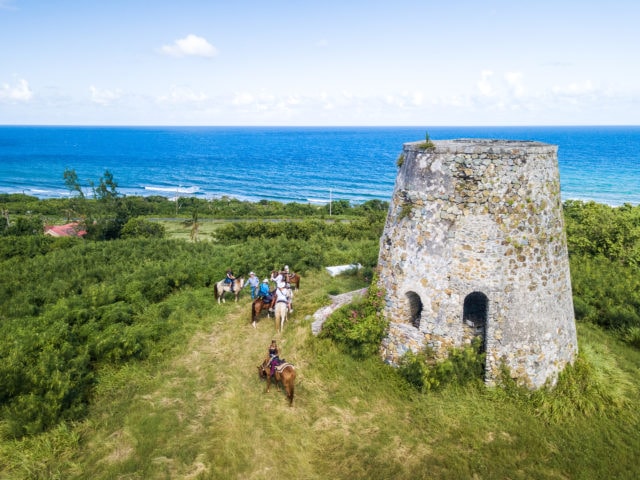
[22, 225]
[360, 326]
[139, 227]
[632, 336]
[583, 389]
[461, 366]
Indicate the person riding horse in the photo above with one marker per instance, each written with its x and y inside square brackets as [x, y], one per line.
[273, 359]
[277, 276]
[292, 279]
[283, 294]
[265, 291]
[229, 279]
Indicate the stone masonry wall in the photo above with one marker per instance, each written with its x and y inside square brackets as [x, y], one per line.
[474, 245]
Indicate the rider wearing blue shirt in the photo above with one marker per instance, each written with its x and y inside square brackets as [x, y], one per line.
[229, 279]
[264, 291]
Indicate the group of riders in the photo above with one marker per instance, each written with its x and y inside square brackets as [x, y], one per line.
[281, 292]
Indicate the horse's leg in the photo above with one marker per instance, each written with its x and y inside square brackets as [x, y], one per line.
[268, 380]
[290, 384]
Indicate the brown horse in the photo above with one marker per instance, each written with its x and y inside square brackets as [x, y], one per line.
[291, 278]
[257, 306]
[285, 375]
[220, 288]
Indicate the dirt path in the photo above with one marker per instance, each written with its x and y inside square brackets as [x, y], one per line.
[208, 415]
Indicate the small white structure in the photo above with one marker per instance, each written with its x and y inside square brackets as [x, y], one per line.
[338, 269]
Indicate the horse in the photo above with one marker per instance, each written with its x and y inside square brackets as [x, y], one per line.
[291, 278]
[257, 306]
[281, 314]
[285, 375]
[221, 288]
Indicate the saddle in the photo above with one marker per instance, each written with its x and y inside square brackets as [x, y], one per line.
[280, 367]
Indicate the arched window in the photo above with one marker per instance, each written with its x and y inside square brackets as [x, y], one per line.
[415, 308]
[475, 312]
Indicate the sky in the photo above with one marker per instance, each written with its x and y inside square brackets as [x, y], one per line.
[320, 63]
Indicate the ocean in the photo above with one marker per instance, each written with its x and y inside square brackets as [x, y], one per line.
[289, 164]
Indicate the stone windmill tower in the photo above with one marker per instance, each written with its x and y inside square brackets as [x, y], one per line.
[474, 245]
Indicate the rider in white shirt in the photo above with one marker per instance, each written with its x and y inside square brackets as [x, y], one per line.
[282, 295]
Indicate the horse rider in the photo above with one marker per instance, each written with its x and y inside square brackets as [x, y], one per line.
[229, 279]
[277, 277]
[265, 291]
[282, 295]
[285, 273]
[273, 357]
[254, 283]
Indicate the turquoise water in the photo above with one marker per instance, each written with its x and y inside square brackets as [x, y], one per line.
[310, 164]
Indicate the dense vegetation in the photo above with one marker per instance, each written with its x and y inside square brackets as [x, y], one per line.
[77, 314]
[604, 251]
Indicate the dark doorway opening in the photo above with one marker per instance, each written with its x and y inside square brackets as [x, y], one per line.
[415, 308]
[475, 312]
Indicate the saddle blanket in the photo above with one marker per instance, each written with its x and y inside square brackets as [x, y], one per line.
[282, 366]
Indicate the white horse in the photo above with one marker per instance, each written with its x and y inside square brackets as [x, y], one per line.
[281, 314]
[221, 288]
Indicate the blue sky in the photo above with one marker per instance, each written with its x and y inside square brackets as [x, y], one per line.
[297, 62]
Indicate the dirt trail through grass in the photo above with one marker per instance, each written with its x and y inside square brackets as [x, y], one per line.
[228, 419]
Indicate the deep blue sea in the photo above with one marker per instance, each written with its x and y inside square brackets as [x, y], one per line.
[306, 164]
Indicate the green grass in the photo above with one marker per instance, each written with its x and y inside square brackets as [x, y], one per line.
[181, 229]
[200, 411]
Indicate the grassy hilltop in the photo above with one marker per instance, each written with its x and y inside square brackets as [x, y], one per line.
[119, 363]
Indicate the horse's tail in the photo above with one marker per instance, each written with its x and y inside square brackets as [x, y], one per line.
[215, 291]
[254, 307]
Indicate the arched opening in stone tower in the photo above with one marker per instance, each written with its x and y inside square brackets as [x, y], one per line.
[415, 308]
[474, 316]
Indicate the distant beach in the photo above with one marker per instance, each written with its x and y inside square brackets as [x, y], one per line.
[289, 164]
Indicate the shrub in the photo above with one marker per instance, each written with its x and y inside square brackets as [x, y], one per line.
[461, 366]
[593, 386]
[360, 326]
[30, 225]
[139, 227]
[427, 144]
[632, 336]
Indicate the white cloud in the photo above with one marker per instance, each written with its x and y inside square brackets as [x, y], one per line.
[190, 46]
[102, 96]
[574, 89]
[19, 92]
[484, 84]
[242, 98]
[183, 95]
[514, 83]
[405, 99]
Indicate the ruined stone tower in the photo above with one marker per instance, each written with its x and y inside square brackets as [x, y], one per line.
[474, 246]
